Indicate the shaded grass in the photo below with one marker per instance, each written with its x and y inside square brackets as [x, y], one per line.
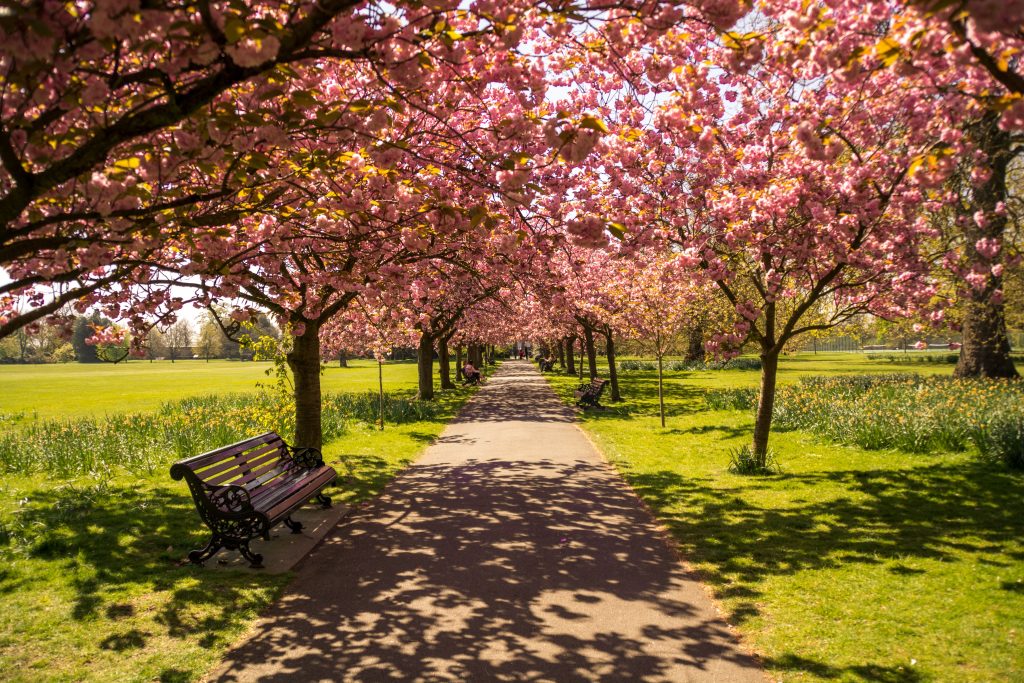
[91, 568]
[851, 565]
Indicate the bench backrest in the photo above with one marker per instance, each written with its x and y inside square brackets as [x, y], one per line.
[249, 463]
[598, 384]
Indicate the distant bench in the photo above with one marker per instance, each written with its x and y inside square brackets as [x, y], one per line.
[243, 490]
[590, 394]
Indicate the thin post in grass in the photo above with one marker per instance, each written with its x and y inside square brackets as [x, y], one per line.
[661, 393]
[380, 384]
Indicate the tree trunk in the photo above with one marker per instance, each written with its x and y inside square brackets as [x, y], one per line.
[766, 402]
[570, 354]
[561, 353]
[425, 367]
[342, 360]
[588, 338]
[304, 361]
[986, 348]
[444, 364]
[695, 343]
[458, 364]
[613, 372]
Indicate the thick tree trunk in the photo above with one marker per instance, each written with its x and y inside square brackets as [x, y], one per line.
[588, 342]
[458, 363]
[425, 367]
[613, 372]
[986, 348]
[766, 402]
[444, 364]
[561, 353]
[695, 343]
[342, 360]
[570, 355]
[304, 361]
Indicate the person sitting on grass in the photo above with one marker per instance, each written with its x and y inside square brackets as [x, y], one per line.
[470, 372]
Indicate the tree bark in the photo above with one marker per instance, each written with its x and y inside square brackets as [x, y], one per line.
[425, 367]
[766, 402]
[304, 362]
[588, 339]
[695, 343]
[444, 364]
[613, 372]
[986, 347]
[570, 354]
[561, 353]
[342, 360]
[458, 363]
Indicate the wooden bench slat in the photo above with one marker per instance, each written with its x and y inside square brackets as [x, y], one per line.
[218, 454]
[222, 473]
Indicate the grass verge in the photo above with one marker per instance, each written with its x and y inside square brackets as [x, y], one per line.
[850, 565]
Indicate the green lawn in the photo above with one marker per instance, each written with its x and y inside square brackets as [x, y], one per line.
[91, 572]
[81, 389]
[851, 565]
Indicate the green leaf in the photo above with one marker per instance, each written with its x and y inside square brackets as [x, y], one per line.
[617, 229]
[594, 123]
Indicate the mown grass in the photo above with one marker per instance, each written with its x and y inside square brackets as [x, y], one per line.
[850, 565]
[91, 573]
[80, 389]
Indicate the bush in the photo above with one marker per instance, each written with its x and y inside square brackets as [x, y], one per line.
[899, 410]
[637, 365]
[731, 364]
[731, 399]
[1003, 440]
[143, 442]
[743, 460]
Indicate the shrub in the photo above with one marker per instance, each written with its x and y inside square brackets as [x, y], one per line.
[143, 442]
[731, 399]
[899, 410]
[731, 364]
[637, 365]
[743, 460]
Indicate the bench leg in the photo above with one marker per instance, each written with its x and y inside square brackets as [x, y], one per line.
[296, 527]
[200, 555]
[255, 559]
[324, 501]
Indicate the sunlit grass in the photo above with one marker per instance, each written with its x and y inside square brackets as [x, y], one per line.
[851, 565]
[80, 389]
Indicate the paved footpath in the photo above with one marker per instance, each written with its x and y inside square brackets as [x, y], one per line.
[509, 552]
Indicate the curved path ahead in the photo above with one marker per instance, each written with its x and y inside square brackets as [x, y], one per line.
[509, 552]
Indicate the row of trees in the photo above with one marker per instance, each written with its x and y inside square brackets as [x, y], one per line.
[456, 174]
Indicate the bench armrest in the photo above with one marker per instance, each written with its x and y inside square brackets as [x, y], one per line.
[230, 499]
[306, 457]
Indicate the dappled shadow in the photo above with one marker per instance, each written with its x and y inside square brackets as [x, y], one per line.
[928, 512]
[492, 570]
[497, 563]
[114, 538]
[727, 431]
[865, 672]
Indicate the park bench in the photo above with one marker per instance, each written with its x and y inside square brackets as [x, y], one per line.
[243, 490]
[590, 394]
